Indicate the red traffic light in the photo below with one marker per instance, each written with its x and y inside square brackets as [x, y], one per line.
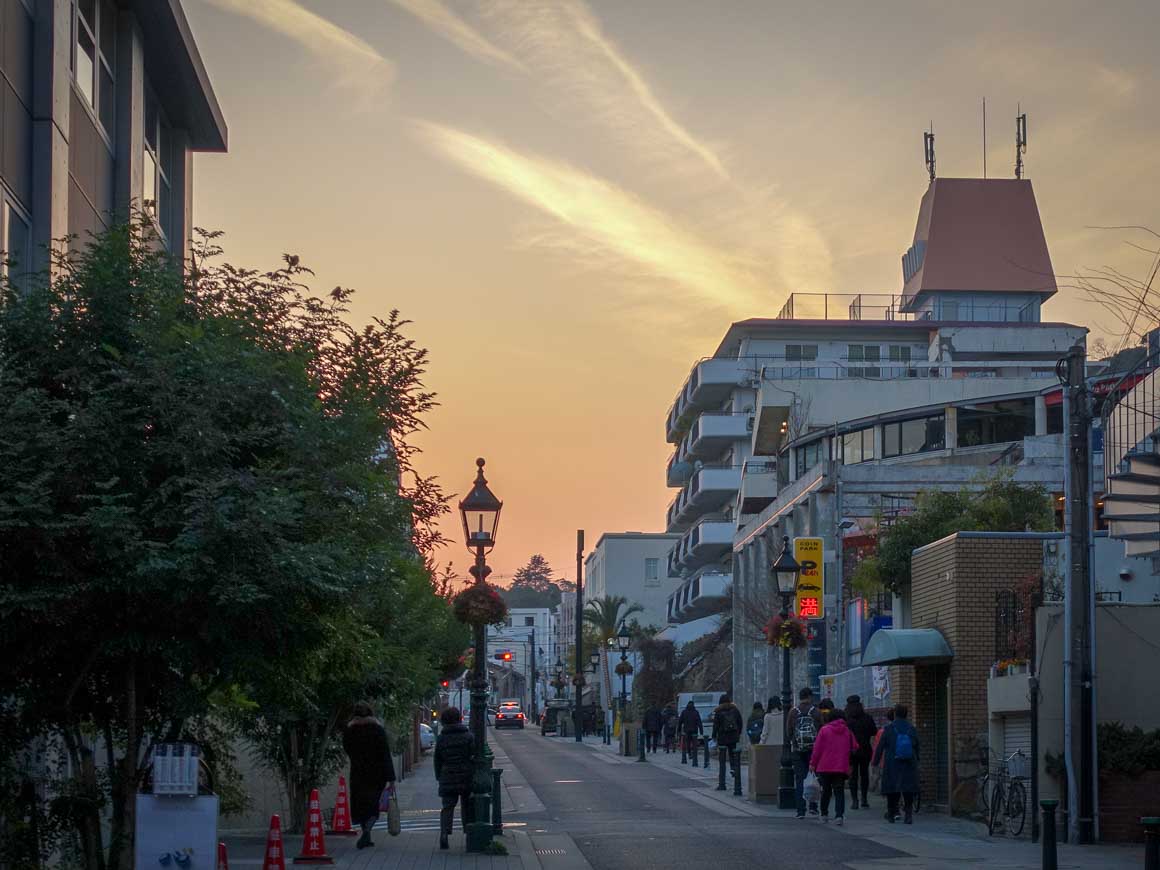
[504, 656]
[507, 657]
[445, 684]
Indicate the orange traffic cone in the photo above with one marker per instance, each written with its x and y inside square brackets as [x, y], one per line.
[223, 857]
[275, 851]
[341, 821]
[314, 843]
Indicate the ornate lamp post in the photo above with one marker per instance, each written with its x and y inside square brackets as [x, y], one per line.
[623, 642]
[479, 607]
[785, 569]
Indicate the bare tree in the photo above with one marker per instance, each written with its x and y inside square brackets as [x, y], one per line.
[1131, 300]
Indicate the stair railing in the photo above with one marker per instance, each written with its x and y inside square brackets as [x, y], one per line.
[1130, 414]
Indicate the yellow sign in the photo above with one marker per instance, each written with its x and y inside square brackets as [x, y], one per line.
[810, 603]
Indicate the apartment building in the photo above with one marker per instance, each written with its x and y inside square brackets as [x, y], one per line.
[530, 635]
[104, 104]
[635, 566]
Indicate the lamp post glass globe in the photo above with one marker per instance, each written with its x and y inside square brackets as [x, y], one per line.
[786, 569]
[594, 658]
[480, 513]
[624, 639]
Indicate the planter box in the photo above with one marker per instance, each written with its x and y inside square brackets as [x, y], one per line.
[764, 767]
[1123, 800]
[1009, 694]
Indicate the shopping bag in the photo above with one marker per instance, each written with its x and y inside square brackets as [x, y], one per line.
[811, 788]
[394, 815]
[384, 801]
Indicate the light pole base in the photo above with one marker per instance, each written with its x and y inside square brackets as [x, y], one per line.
[480, 831]
[786, 792]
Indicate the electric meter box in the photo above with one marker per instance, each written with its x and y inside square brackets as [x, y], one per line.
[175, 769]
[177, 832]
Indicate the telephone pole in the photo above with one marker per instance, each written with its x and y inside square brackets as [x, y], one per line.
[579, 629]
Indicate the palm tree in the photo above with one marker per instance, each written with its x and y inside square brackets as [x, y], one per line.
[606, 616]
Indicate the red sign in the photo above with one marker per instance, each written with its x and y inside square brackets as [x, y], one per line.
[809, 607]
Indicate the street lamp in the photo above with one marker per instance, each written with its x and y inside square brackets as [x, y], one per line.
[623, 642]
[480, 512]
[785, 570]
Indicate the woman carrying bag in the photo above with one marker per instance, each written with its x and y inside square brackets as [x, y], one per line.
[372, 773]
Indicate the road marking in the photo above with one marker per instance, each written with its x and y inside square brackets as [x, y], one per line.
[569, 780]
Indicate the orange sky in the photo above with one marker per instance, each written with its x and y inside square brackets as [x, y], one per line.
[572, 200]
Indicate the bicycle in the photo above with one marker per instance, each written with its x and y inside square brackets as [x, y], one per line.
[1008, 798]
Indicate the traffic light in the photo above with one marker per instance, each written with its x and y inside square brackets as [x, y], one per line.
[445, 683]
[504, 656]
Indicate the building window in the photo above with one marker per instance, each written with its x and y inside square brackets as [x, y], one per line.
[810, 455]
[950, 310]
[858, 446]
[863, 353]
[913, 436]
[996, 422]
[529, 620]
[652, 572]
[157, 173]
[798, 353]
[94, 24]
[16, 244]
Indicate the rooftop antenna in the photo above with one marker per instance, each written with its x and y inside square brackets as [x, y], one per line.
[928, 150]
[1020, 140]
[984, 137]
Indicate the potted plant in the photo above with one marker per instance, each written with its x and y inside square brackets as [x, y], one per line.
[787, 632]
[623, 669]
[479, 605]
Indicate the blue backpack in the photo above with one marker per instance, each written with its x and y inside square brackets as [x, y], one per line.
[903, 747]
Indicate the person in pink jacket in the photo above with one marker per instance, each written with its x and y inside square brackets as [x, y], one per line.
[830, 760]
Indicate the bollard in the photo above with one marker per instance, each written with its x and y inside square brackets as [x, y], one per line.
[1050, 860]
[496, 801]
[1151, 842]
[640, 744]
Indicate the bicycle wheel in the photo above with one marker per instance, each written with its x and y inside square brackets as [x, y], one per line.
[1016, 816]
[996, 808]
[983, 795]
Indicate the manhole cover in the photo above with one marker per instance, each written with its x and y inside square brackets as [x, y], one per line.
[551, 852]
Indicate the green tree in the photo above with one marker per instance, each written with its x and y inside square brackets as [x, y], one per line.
[605, 617]
[533, 585]
[1001, 505]
[198, 475]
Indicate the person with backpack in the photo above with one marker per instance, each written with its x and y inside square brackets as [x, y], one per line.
[755, 723]
[898, 748]
[652, 728]
[861, 725]
[804, 724]
[669, 726]
[727, 734]
[830, 760]
[690, 725]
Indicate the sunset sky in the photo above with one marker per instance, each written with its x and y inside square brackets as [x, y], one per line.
[573, 200]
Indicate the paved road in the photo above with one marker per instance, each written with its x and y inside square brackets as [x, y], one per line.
[642, 816]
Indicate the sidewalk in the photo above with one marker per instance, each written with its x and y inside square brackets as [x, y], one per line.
[935, 840]
[417, 847]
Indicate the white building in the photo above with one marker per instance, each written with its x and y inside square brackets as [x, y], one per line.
[634, 565]
[530, 636]
[565, 622]
[831, 417]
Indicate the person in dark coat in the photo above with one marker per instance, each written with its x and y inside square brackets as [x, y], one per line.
[898, 749]
[371, 768]
[652, 728]
[861, 725]
[669, 726]
[454, 765]
[727, 728]
[690, 725]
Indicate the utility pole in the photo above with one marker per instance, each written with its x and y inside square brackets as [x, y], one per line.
[1079, 604]
[533, 657]
[579, 629]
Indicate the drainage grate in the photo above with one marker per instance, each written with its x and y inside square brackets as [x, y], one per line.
[551, 852]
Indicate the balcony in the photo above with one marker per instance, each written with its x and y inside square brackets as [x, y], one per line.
[710, 383]
[715, 431]
[700, 596]
[709, 489]
[705, 542]
[758, 484]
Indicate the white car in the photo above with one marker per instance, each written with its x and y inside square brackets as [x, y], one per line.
[426, 737]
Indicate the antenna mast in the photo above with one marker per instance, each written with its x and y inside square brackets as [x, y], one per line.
[984, 137]
[928, 150]
[1020, 141]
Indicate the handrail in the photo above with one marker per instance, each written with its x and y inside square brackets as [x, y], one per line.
[1127, 422]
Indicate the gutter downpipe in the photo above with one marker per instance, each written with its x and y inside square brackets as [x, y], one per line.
[1090, 543]
[1072, 832]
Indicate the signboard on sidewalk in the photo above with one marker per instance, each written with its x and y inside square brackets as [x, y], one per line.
[810, 603]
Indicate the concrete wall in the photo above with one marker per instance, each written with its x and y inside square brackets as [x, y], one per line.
[617, 567]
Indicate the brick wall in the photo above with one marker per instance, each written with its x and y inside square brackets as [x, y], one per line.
[1123, 800]
[953, 586]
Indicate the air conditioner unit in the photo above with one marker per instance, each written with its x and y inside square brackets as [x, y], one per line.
[749, 425]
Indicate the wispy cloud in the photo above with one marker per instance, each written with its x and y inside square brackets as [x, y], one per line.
[454, 28]
[606, 220]
[564, 42]
[354, 60]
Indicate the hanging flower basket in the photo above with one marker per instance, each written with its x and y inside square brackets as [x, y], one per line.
[787, 633]
[623, 669]
[559, 684]
[479, 605]
[578, 680]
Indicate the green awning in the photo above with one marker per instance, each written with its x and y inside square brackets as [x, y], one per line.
[907, 646]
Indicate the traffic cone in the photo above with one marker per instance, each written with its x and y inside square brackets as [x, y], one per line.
[275, 850]
[314, 843]
[340, 824]
[223, 858]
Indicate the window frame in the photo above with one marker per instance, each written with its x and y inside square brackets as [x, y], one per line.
[162, 135]
[9, 206]
[864, 353]
[896, 426]
[92, 99]
[801, 353]
[653, 565]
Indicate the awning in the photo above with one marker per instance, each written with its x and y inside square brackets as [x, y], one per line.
[907, 646]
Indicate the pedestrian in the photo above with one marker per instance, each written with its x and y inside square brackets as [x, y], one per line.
[652, 727]
[755, 723]
[669, 726]
[804, 724]
[454, 765]
[727, 733]
[830, 760]
[371, 769]
[898, 748]
[690, 725]
[861, 725]
[826, 707]
[876, 765]
[773, 728]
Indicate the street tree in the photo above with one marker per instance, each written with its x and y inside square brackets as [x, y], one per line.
[533, 585]
[198, 475]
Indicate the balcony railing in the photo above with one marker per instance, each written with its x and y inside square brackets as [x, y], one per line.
[893, 370]
[845, 306]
